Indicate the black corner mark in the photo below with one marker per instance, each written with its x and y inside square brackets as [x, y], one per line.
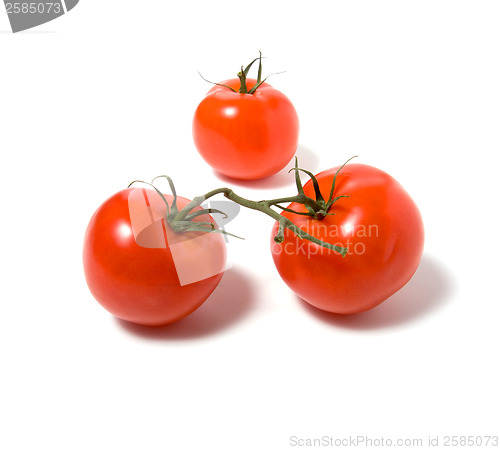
[26, 14]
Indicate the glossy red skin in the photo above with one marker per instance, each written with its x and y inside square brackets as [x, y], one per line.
[246, 136]
[138, 284]
[381, 259]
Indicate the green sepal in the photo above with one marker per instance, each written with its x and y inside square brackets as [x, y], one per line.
[218, 230]
[174, 208]
[292, 211]
[216, 84]
[259, 73]
[260, 83]
[244, 74]
[247, 68]
[300, 188]
[317, 191]
[210, 228]
[330, 202]
[202, 212]
[156, 189]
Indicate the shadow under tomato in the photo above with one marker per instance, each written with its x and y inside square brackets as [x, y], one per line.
[430, 289]
[307, 160]
[231, 301]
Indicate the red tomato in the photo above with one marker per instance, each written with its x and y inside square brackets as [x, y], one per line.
[246, 136]
[379, 224]
[139, 269]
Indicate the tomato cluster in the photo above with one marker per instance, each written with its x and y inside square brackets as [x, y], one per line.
[349, 239]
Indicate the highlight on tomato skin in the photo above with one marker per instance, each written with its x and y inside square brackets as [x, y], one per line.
[379, 224]
[139, 269]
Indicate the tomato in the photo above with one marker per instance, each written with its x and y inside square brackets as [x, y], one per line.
[139, 269]
[246, 136]
[378, 223]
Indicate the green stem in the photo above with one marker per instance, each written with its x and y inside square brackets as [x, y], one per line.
[243, 81]
[317, 208]
[263, 206]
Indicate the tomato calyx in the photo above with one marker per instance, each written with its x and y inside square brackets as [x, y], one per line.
[318, 208]
[242, 75]
[185, 223]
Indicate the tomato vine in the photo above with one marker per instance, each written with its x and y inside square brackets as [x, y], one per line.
[181, 220]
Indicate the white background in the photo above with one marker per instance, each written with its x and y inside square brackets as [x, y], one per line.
[106, 94]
